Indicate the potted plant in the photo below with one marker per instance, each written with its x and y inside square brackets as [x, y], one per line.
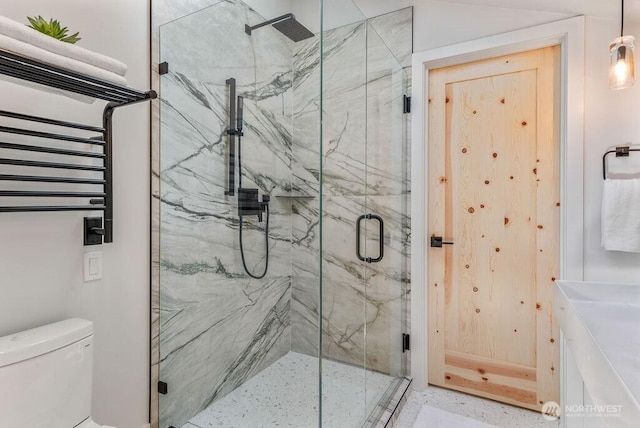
[53, 29]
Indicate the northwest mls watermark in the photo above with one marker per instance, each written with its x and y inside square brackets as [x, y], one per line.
[552, 411]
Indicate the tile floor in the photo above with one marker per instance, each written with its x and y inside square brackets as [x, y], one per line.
[285, 395]
[486, 411]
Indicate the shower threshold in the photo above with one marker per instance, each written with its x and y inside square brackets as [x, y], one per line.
[285, 394]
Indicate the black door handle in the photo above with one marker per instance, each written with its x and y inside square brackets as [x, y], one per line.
[380, 239]
[362, 217]
[436, 241]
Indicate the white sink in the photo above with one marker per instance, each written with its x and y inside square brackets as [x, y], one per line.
[601, 324]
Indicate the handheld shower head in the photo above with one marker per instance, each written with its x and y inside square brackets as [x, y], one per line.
[239, 116]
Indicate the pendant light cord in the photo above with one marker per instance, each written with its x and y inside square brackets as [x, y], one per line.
[622, 19]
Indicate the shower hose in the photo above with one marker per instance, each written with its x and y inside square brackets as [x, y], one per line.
[266, 246]
[266, 231]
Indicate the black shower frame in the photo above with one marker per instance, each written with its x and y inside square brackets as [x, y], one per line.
[19, 67]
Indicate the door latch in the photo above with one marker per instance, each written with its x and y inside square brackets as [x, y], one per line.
[436, 241]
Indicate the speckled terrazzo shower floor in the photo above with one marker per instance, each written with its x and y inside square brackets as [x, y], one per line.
[285, 394]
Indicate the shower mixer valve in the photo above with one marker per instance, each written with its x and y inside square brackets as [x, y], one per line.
[234, 131]
[250, 204]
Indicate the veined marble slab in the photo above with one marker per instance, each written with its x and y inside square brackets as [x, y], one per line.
[356, 297]
[218, 328]
[396, 29]
[208, 352]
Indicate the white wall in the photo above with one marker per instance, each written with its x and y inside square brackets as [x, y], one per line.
[611, 117]
[41, 254]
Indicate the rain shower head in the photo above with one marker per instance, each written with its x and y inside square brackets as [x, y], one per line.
[287, 25]
[293, 29]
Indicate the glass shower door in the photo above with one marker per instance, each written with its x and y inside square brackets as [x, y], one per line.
[387, 198]
[364, 219]
[343, 202]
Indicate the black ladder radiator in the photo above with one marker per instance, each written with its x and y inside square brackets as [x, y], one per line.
[77, 158]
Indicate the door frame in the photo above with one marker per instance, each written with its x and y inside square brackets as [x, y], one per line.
[569, 34]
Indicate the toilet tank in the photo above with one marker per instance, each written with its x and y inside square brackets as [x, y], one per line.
[46, 374]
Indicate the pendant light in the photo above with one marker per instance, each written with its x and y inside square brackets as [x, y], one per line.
[621, 56]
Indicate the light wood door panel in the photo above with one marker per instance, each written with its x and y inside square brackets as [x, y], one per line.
[494, 191]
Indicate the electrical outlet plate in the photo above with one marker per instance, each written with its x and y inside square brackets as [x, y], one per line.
[93, 266]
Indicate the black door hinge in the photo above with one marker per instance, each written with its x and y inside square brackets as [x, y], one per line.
[163, 68]
[406, 104]
[406, 342]
[162, 387]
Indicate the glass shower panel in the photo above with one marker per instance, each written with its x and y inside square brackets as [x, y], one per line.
[386, 197]
[365, 186]
[219, 327]
[344, 187]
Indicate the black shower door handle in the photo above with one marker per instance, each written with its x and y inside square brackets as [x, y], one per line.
[380, 239]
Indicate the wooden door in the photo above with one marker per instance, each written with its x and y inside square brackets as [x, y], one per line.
[494, 192]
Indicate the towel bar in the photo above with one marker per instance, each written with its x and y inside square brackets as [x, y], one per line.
[39, 72]
[117, 96]
[15, 115]
[622, 151]
[44, 179]
[42, 149]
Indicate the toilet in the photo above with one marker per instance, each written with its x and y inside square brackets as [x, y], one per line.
[46, 376]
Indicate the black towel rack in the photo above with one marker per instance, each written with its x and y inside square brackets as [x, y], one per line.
[622, 151]
[35, 71]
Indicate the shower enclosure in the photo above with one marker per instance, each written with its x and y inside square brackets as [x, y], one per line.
[314, 331]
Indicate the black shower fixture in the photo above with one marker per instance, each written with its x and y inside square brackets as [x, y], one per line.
[249, 203]
[287, 25]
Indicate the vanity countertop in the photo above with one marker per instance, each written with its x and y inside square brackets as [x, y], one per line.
[601, 324]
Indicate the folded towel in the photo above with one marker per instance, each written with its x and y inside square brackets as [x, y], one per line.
[621, 215]
[21, 32]
[73, 95]
[30, 51]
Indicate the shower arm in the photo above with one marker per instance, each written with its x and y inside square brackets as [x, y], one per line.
[248, 29]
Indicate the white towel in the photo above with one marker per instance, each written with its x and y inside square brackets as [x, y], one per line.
[621, 215]
[77, 97]
[25, 34]
[30, 51]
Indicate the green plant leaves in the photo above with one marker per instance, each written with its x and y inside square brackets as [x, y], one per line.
[53, 29]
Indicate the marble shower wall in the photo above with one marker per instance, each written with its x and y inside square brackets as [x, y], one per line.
[215, 328]
[365, 163]
[218, 327]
